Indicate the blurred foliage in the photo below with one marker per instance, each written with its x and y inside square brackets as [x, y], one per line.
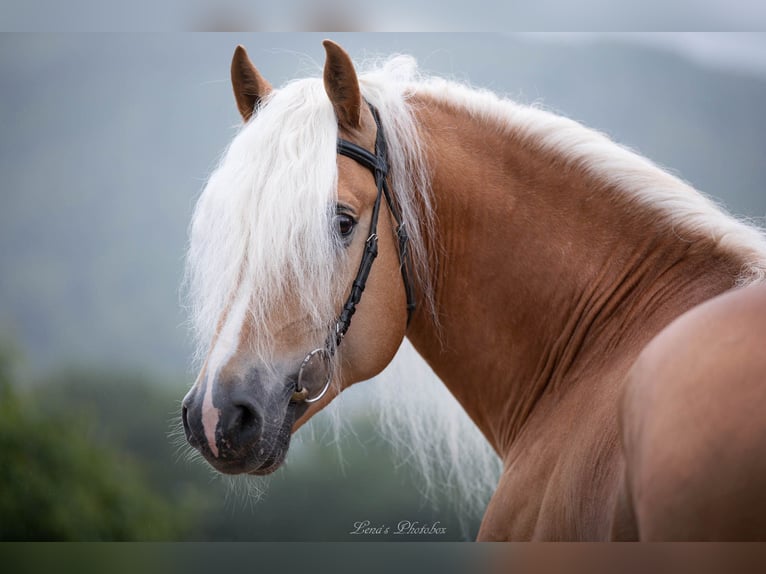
[90, 454]
[57, 483]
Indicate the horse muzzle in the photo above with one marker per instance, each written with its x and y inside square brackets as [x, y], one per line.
[238, 428]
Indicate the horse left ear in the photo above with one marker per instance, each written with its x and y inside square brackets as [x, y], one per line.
[342, 86]
[249, 86]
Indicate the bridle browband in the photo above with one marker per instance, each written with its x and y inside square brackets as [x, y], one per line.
[377, 163]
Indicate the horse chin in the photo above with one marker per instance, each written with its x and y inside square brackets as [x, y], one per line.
[271, 464]
[276, 457]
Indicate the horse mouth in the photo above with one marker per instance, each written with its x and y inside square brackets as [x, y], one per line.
[272, 463]
[252, 463]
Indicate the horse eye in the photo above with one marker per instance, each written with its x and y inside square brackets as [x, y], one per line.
[344, 224]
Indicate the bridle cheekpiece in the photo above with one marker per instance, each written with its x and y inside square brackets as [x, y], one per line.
[377, 163]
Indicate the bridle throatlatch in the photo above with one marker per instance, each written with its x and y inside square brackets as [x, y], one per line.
[378, 164]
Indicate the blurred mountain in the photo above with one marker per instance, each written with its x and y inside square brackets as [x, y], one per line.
[106, 141]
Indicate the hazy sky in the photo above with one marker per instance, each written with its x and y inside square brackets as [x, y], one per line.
[744, 51]
[393, 15]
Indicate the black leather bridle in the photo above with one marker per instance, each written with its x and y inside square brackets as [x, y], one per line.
[378, 164]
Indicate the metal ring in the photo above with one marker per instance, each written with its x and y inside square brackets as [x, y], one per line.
[300, 390]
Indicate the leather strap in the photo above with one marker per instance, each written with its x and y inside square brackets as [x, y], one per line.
[378, 165]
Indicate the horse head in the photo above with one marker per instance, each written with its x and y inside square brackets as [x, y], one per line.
[281, 250]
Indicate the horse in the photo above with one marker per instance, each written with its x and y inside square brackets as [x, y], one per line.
[598, 319]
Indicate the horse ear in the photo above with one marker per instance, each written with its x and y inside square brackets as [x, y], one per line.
[342, 86]
[249, 86]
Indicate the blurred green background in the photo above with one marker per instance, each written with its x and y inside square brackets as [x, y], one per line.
[105, 143]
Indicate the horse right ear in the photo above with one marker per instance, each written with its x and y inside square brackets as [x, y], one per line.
[249, 86]
[342, 86]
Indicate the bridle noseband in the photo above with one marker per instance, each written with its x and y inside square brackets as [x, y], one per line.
[378, 164]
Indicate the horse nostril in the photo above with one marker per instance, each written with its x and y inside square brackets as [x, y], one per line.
[241, 423]
[248, 418]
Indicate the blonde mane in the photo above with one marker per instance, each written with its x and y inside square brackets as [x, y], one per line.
[690, 213]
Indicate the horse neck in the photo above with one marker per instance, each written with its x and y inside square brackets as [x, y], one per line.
[545, 278]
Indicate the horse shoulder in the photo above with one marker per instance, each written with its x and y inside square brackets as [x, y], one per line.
[561, 478]
[693, 424]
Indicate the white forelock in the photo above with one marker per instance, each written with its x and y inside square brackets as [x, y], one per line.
[263, 217]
